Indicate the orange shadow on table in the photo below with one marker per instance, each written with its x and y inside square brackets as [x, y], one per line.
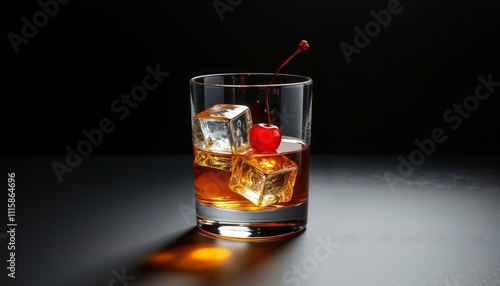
[209, 259]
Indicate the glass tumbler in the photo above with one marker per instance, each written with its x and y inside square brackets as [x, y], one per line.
[240, 192]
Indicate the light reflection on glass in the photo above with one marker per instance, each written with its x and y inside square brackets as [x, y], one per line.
[235, 231]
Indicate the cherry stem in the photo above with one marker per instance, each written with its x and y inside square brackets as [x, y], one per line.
[302, 47]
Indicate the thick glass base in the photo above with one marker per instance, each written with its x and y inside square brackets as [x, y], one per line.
[275, 224]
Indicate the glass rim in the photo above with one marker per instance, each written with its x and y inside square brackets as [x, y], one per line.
[303, 80]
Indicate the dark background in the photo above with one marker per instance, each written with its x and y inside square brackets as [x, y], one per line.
[393, 92]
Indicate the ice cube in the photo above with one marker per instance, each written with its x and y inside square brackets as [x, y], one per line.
[223, 128]
[213, 160]
[263, 179]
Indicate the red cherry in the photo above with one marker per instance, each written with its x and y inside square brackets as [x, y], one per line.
[265, 138]
[304, 45]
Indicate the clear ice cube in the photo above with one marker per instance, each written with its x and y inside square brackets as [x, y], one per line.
[213, 160]
[223, 128]
[263, 179]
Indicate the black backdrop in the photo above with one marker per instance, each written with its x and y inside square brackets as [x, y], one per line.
[78, 57]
